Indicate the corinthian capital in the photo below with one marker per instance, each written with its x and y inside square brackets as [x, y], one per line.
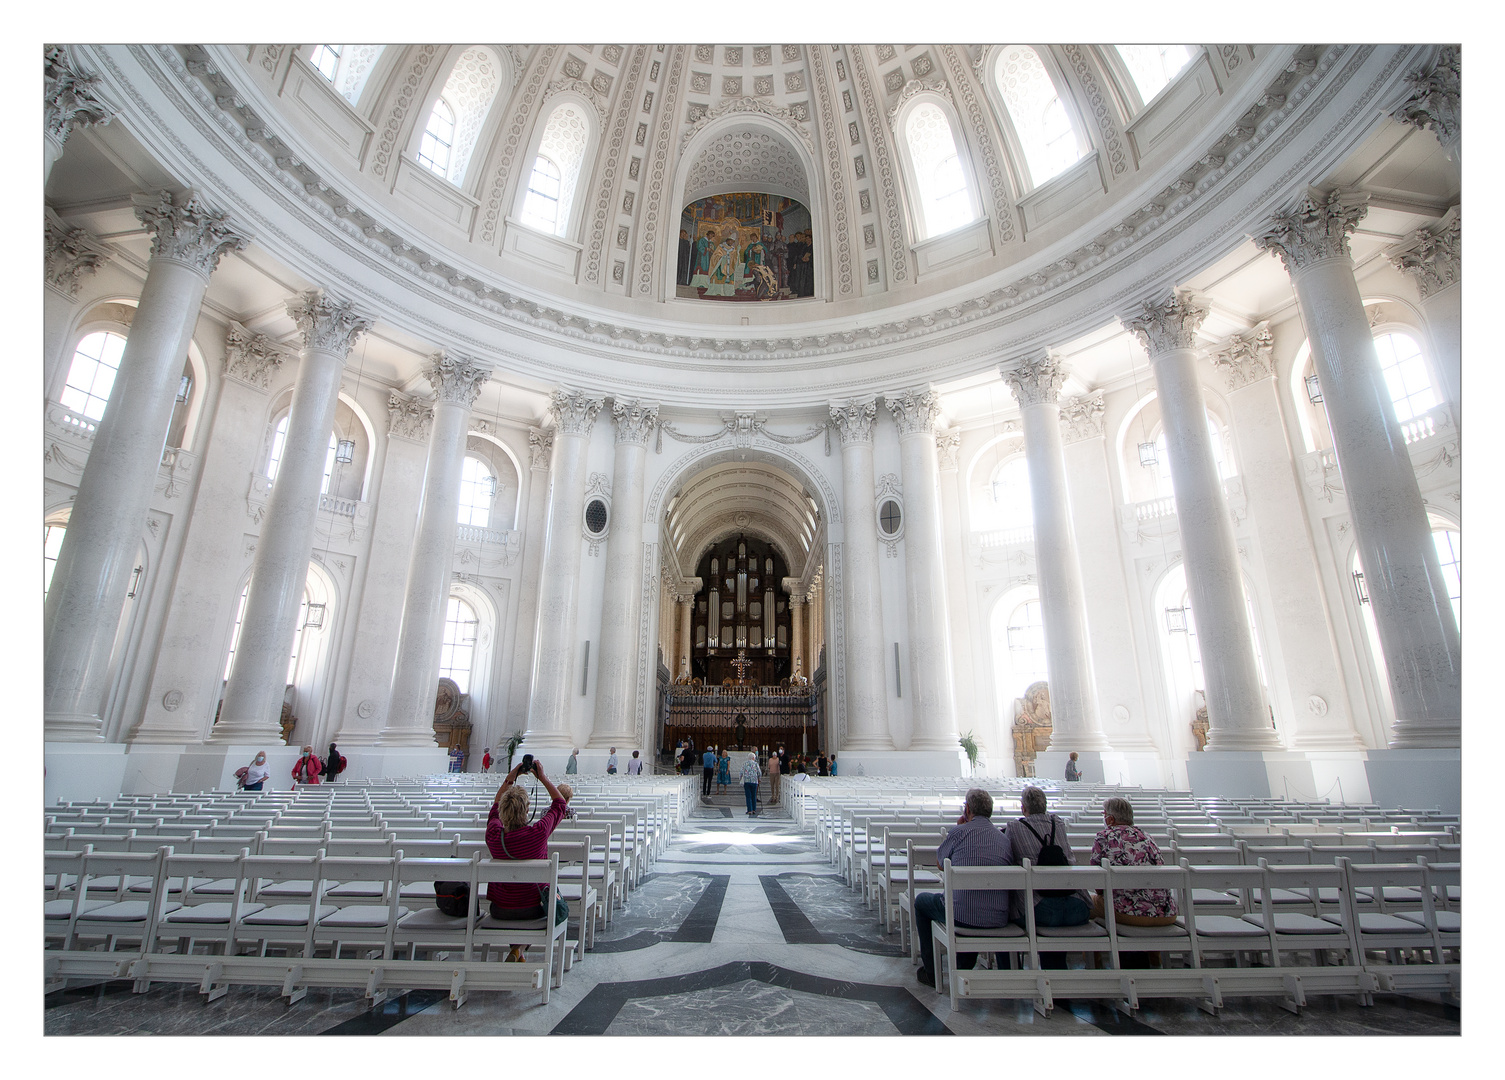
[70, 96]
[540, 445]
[1316, 228]
[1435, 101]
[1082, 418]
[70, 254]
[408, 417]
[1170, 324]
[635, 421]
[455, 379]
[186, 230]
[914, 411]
[947, 444]
[251, 357]
[328, 325]
[1435, 260]
[1035, 380]
[1245, 356]
[854, 421]
[574, 412]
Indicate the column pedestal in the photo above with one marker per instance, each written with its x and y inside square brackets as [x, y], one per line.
[1417, 779]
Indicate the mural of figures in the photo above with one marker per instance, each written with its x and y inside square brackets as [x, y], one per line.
[745, 246]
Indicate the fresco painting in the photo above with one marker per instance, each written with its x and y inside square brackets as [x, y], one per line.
[747, 246]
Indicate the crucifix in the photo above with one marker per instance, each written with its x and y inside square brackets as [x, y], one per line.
[742, 663]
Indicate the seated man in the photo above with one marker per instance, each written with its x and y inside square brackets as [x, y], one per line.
[1121, 844]
[1026, 836]
[975, 841]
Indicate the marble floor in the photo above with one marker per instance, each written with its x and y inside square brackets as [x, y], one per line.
[741, 928]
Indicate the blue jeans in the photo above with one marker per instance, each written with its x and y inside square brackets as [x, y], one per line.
[751, 791]
[1059, 911]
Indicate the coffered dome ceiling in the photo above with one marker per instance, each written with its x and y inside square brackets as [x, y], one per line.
[325, 174]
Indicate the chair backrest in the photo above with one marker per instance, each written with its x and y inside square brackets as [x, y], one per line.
[1275, 854]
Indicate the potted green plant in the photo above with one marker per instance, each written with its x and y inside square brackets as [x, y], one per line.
[969, 744]
[514, 740]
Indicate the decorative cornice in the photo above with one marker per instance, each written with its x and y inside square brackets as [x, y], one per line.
[574, 412]
[1035, 380]
[1082, 418]
[914, 411]
[1245, 357]
[327, 325]
[748, 105]
[250, 357]
[1435, 102]
[540, 447]
[1434, 259]
[635, 421]
[1316, 228]
[70, 96]
[456, 380]
[409, 417]
[947, 445]
[70, 254]
[854, 421]
[1168, 325]
[186, 230]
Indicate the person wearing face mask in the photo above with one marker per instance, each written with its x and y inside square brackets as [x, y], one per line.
[257, 773]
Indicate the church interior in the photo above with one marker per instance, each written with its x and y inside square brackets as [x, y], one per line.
[1076, 418]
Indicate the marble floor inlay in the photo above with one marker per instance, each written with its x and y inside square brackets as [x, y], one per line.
[819, 908]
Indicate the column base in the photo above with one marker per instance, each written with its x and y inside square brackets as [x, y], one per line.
[879, 743]
[71, 727]
[1329, 776]
[1430, 736]
[1142, 769]
[1067, 741]
[1417, 778]
[81, 771]
[855, 762]
[229, 733]
[405, 737]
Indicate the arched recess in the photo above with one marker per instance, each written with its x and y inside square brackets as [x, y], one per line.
[921, 109]
[542, 139]
[774, 175]
[1006, 672]
[349, 480]
[506, 511]
[485, 668]
[1021, 144]
[1142, 423]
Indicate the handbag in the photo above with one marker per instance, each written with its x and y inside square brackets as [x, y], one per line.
[452, 897]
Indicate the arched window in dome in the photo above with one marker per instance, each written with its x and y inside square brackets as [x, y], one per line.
[556, 170]
[345, 66]
[438, 139]
[454, 127]
[945, 200]
[1041, 122]
[478, 487]
[326, 60]
[1152, 67]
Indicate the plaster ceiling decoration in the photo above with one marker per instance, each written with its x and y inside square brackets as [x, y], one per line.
[741, 496]
[747, 161]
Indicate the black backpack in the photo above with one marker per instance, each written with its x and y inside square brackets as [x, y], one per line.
[452, 897]
[1051, 854]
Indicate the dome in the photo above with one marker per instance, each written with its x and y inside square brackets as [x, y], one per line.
[903, 212]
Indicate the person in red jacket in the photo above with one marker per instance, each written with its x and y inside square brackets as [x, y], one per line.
[486, 761]
[308, 768]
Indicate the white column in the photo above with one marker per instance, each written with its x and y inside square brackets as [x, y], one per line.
[867, 697]
[70, 99]
[1237, 716]
[1418, 633]
[947, 446]
[415, 682]
[685, 607]
[558, 591]
[798, 665]
[1036, 383]
[535, 534]
[1435, 260]
[934, 711]
[279, 571]
[622, 600]
[98, 553]
[1300, 653]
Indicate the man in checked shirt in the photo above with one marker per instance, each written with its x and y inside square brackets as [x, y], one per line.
[974, 841]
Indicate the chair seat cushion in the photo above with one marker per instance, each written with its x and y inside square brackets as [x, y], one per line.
[1331, 895]
[1009, 931]
[1374, 922]
[127, 911]
[1291, 922]
[220, 887]
[1214, 926]
[287, 915]
[431, 918]
[174, 886]
[1178, 929]
[287, 888]
[361, 915]
[63, 909]
[1282, 896]
[1213, 898]
[356, 889]
[217, 911]
[1085, 930]
[1449, 922]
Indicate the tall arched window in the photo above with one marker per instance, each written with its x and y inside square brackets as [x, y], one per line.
[1406, 375]
[1026, 641]
[1011, 494]
[556, 170]
[1163, 459]
[1041, 122]
[438, 139]
[92, 374]
[240, 614]
[457, 656]
[279, 440]
[52, 541]
[1194, 647]
[1450, 555]
[477, 489]
[944, 200]
[1152, 67]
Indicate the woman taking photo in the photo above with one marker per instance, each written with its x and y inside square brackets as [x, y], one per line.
[509, 836]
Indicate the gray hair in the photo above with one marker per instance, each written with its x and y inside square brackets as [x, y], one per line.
[1120, 810]
[1034, 801]
[980, 803]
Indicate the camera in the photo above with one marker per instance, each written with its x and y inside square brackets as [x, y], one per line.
[526, 766]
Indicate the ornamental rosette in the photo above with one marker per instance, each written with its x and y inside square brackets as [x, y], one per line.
[328, 325]
[635, 421]
[1036, 381]
[455, 379]
[914, 411]
[1316, 228]
[1168, 325]
[186, 230]
[854, 421]
[574, 412]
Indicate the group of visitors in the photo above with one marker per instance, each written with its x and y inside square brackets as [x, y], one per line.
[976, 841]
[634, 764]
[307, 770]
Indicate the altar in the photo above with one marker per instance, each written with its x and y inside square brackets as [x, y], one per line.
[741, 714]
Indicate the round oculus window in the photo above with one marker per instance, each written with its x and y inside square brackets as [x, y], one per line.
[890, 517]
[595, 517]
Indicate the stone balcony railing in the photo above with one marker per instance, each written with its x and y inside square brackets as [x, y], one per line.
[1431, 440]
[1153, 519]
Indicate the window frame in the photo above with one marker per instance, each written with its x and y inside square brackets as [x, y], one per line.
[916, 187]
[1018, 160]
[428, 161]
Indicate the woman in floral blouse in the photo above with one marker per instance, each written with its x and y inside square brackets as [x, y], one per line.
[1121, 844]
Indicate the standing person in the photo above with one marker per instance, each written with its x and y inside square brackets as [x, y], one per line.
[974, 841]
[573, 765]
[750, 775]
[509, 836]
[634, 765]
[486, 760]
[257, 773]
[723, 772]
[611, 762]
[707, 772]
[833, 762]
[308, 767]
[334, 764]
[822, 767]
[684, 757]
[775, 774]
[1027, 837]
[1072, 772]
[784, 760]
